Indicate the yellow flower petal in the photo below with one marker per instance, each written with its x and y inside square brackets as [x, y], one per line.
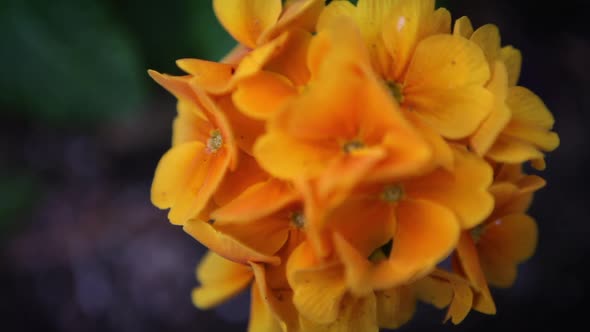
[463, 27]
[485, 136]
[225, 245]
[220, 280]
[357, 314]
[444, 85]
[318, 291]
[512, 58]
[334, 10]
[279, 301]
[263, 94]
[488, 38]
[531, 120]
[464, 190]
[247, 20]
[409, 22]
[506, 150]
[261, 317]
[395, 306]
[443, 289]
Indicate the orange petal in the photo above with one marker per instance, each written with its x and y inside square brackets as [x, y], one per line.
[245, 130]
[444, 84]
[443, 289]
[185, 179]
[287, 158]
[220, 279]
[426, 234]
[298, 14]
[468, 258]
[464, 190]
[318, 290]
[291, 61]
[279, 301]
[174, 170]
[488, 132]
[225, 245]
[235, 182]
[259, 200]
[265, 235]
[263, 94]
[261, 317]
[505, 243]
[356, 314]
[179, 86]
[190, 124]
[207, 173]
[247, 20]
[210, 76]
[442, 154]
[395, 306]
[411, 22]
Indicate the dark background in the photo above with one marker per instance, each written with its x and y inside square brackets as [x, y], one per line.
[82, 128]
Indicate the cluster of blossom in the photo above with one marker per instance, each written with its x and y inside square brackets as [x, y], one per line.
[340, 153]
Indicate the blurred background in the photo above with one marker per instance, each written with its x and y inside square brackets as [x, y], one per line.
[82, 128]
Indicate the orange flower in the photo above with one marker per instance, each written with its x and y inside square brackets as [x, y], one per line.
[437, 76]
[518, 128]
[221, 279]
[269, 36]
[190, 172]
[444, 289]
[322, 299]
[509, 236]
[422, 215]
[344, 120]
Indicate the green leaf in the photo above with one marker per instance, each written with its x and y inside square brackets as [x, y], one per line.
[67, 61]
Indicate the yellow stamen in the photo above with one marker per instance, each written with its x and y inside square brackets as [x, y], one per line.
[215, 142]
[298, 219]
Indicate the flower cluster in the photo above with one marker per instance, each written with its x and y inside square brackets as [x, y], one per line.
[340, 153]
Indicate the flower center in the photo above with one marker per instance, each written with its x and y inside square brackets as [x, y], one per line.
[298, 219]
[396, 91]
[476, 232]
[392, 193]
[215, 141]
[353, 145]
